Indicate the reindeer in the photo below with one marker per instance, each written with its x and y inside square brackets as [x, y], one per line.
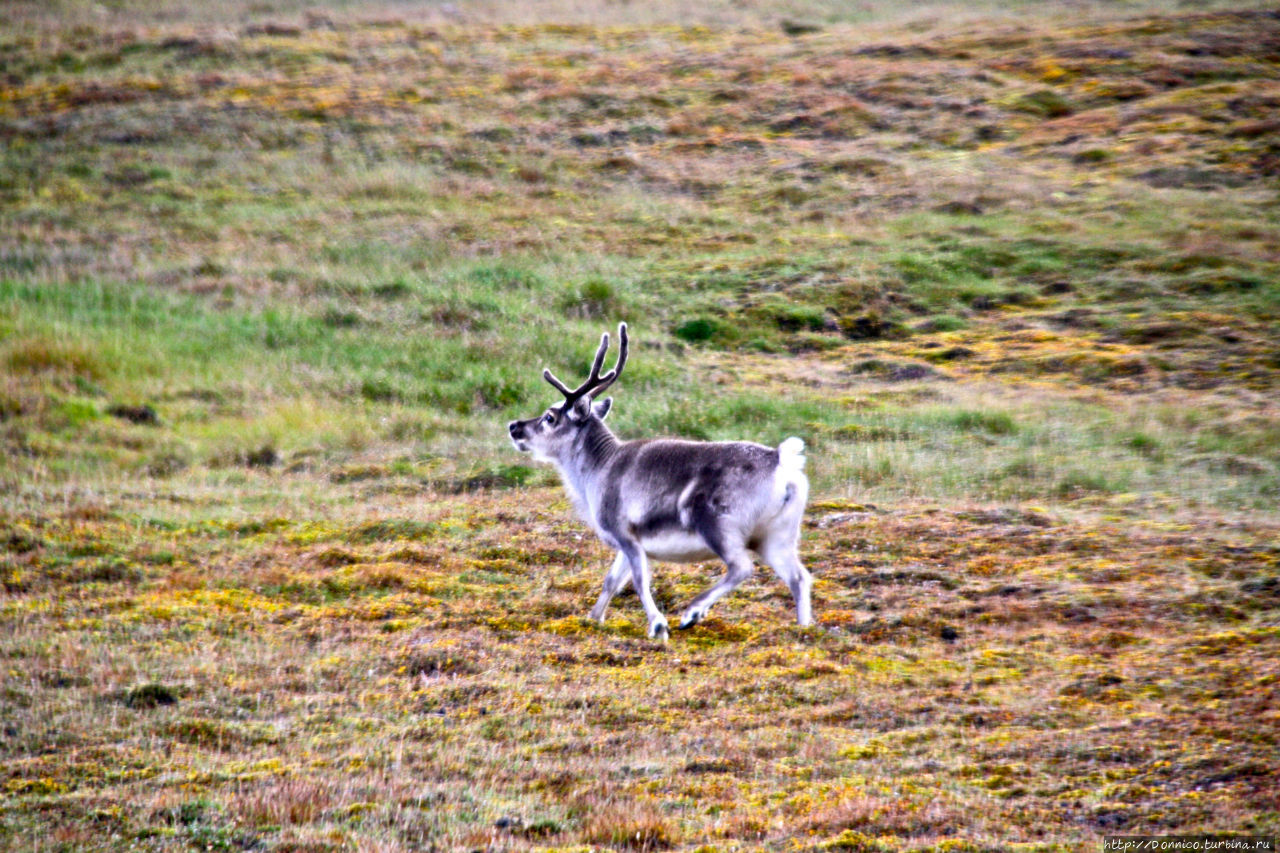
[671, 499]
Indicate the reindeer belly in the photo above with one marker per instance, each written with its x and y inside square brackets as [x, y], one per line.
[676, 546]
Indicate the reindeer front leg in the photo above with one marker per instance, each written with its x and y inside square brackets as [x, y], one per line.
[614, 582]
[640, 578]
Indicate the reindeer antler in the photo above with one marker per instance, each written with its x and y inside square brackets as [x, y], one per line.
[595, 382]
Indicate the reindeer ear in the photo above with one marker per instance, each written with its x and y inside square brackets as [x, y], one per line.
[581, 409]
[602, 408]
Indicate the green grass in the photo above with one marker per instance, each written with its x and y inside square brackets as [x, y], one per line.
[228, 381]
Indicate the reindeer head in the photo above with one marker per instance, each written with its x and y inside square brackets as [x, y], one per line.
[547, 435]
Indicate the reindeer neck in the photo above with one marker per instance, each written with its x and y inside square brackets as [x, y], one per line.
[590, 455]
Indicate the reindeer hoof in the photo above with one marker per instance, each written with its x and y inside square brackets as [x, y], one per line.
[660, 631]
[691, 618]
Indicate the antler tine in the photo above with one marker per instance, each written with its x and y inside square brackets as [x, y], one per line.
[612, 376]
[596, 364]
[556, 383]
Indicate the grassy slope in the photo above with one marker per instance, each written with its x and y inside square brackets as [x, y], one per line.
[1014, 282]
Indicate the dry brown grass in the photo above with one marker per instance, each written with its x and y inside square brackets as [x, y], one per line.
[45, 356]
[987, 675]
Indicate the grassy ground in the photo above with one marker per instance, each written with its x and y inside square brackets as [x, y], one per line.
[273, 279]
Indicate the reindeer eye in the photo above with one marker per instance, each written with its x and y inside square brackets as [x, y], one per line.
[549, 419]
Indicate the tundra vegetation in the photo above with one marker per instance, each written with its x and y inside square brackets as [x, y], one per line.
[274, 277]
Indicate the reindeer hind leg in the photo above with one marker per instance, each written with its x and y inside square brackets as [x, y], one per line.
[781, 555]
[737, 559]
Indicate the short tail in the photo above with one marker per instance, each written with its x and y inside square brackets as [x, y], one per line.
[790, 485]
[791, 454]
